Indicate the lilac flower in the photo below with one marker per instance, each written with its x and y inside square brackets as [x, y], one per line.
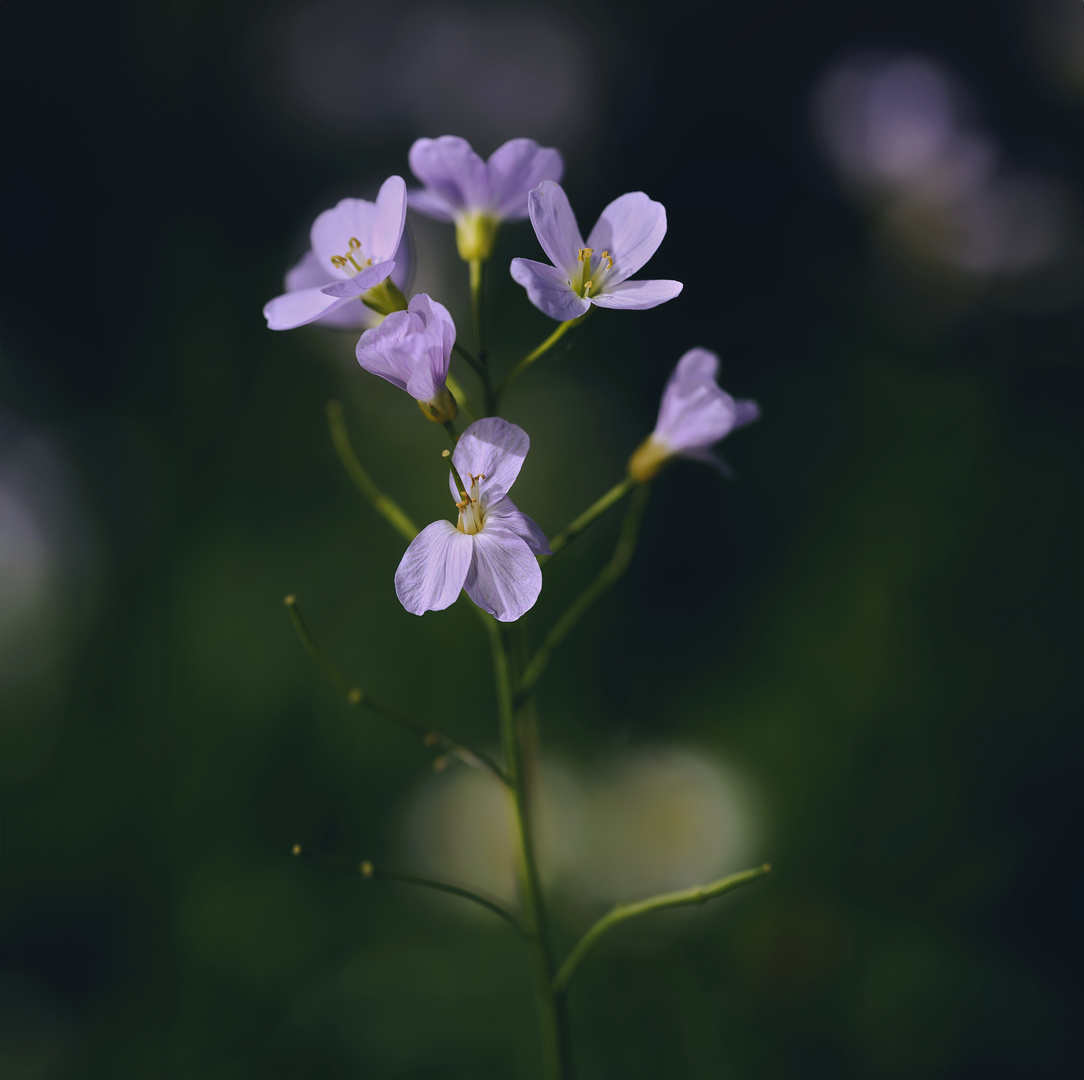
[412, 349]
[626, 235]
[694, 414]
[491, 551]
[309, 273]
[355, 244]
[478, 195]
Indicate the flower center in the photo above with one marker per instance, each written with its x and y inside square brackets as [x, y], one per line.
[592, 272]
[344, 262]
[471, 518]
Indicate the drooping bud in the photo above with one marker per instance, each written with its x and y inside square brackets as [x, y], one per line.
[475, 234]
[648, 459]
[440, 409]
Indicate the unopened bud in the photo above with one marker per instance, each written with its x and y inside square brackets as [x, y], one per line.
[475, 234]
[441, 409]
[648, 459]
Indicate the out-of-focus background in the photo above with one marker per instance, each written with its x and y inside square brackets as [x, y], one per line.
[854, 660]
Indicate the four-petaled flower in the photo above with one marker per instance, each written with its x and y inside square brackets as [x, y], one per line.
[491, 550]
[694, 414]
[478, 195]
[355, 243]
[412, 349]
[626, 235]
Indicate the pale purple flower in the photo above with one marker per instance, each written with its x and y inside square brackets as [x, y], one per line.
[694, 415]
[310, 273]
[491, 551]
[355, 243]
[412, 349]
[478, 195]
[626, 235]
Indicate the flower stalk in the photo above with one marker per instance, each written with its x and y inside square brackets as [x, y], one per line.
[532, 356]
[698, 894]
[551, 1019]
[592, 514]
[608, 576]
[387, 508]
[354, 696]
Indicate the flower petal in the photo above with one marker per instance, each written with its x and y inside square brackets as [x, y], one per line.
[389, 219]
[630, 229]
[432, 348]
[430, 204]
[515, 168]
[494, 448]
[333, 230]
[385, 351]
[300, 307]
[747, 412]
[450, 168]
[695, 412]
[309, 274]
[434, 568]
[355, 286]
[507, 515]
[548, 289]
[638, 295]
[555, 225]
[504, 577]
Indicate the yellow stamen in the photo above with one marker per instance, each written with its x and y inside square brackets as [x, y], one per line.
[588, 252]
[609, 258]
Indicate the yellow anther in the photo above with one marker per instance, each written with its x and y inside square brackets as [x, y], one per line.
[355, 243]
[587, 286]
[338, 260]
[609, 259]
[588, 252]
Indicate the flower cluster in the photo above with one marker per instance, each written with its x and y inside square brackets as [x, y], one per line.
[358, 274]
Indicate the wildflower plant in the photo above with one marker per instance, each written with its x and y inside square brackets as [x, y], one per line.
[489, 554]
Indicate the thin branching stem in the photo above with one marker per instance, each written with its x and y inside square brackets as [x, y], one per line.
[541, 350]
[386, 507]
[461, 398]
[368, 871]
[554, 1049]
[610, 573]
[592, 514]
[698, 894]
[354, 696]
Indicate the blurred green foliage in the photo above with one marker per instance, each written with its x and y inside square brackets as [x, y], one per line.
[876, 623]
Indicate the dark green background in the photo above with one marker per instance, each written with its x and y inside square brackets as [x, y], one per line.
[877, 622]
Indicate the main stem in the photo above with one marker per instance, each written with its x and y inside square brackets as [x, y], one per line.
[554, 1041]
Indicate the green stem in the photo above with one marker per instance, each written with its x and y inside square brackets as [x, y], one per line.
[461, 398]
[354, 696]
[554, 1041]
[592, 513]
[471, 359]
[477, 285]
[699, 894]
[367, 871]
[370, 871]
[610, 573]
[387, 508]
[542, 349]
